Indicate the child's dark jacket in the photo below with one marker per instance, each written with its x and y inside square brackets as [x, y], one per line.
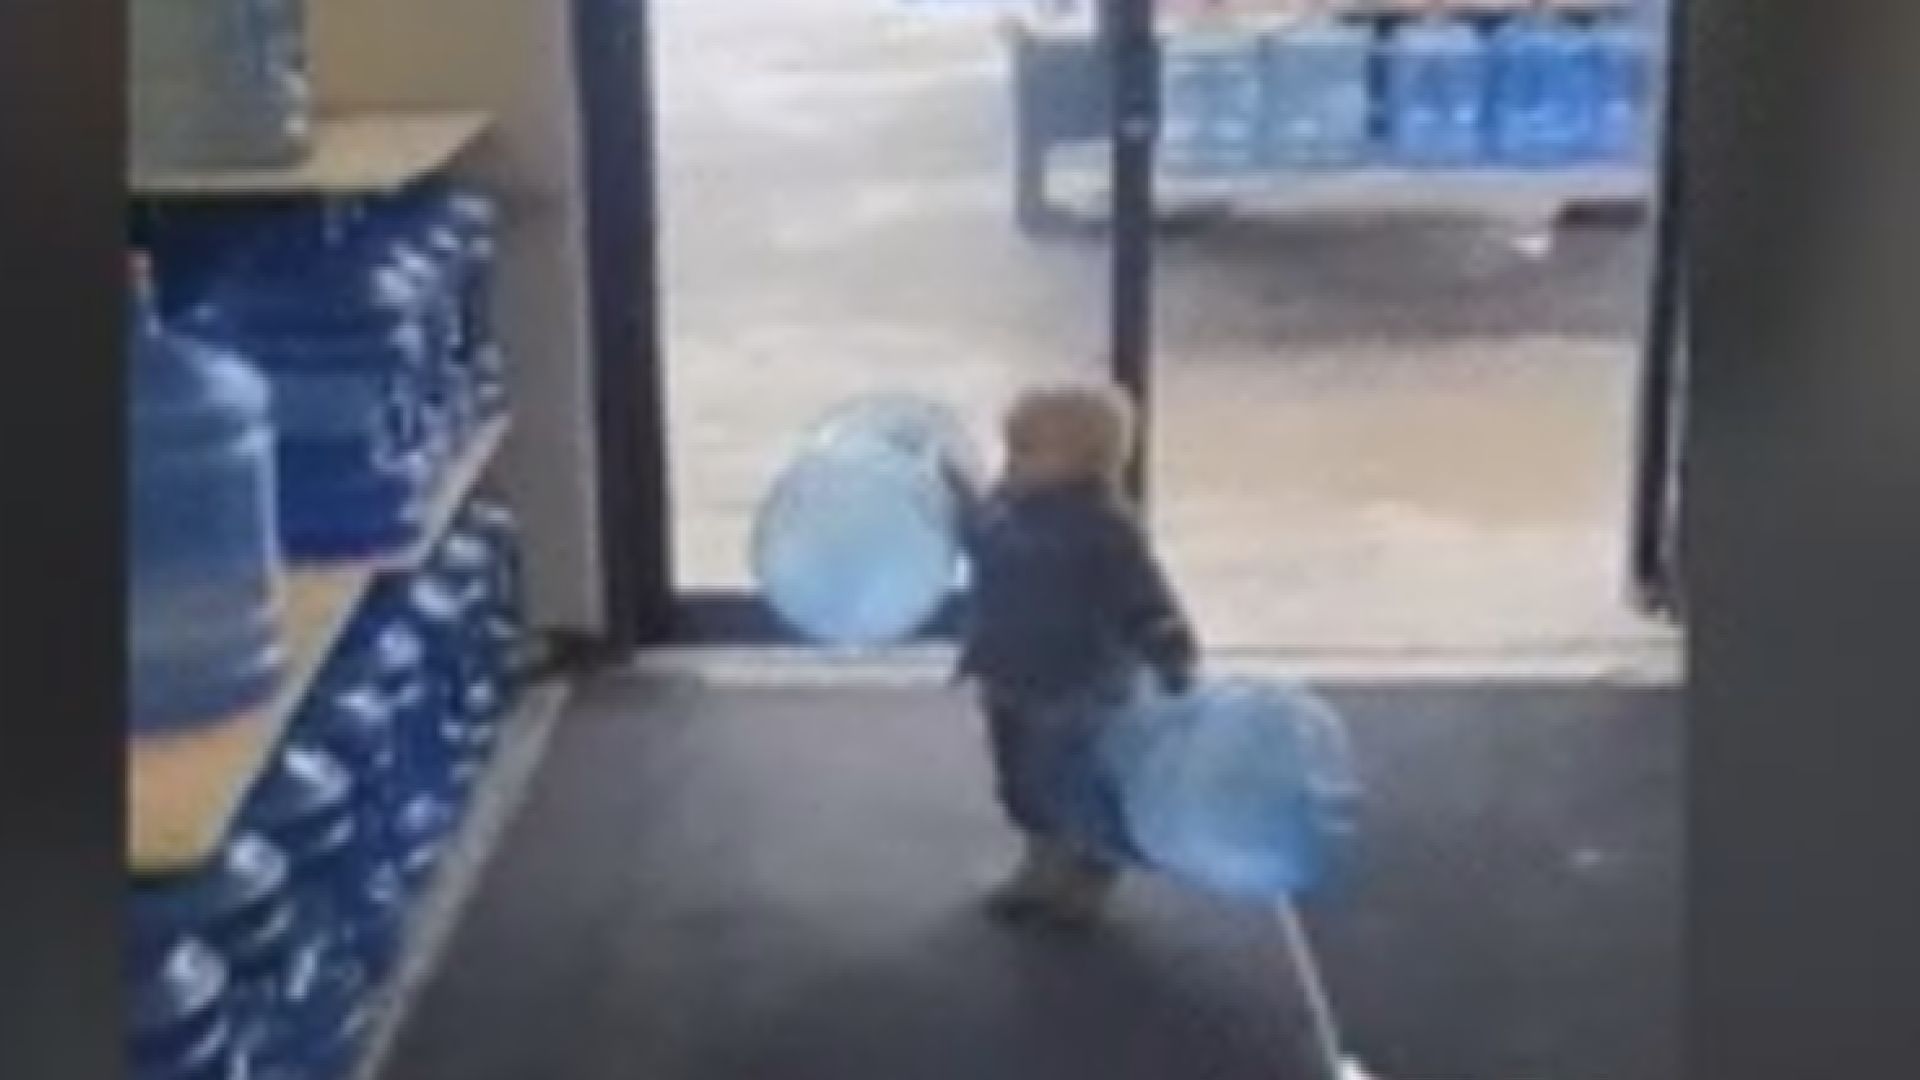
[1065, 594]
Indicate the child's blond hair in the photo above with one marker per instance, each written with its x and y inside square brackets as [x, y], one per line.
[1087, 427]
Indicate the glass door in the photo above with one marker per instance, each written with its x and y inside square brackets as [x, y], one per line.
[861, 196]
[1402, 273]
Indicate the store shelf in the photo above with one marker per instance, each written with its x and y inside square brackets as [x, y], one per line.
[353, 153]
[1254, 18]
[183, 790]
[1486, 191]
[497, 795]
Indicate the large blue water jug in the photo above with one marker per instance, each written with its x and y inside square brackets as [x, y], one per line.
[1542, 107]
[306, 803]
[1319, 109]
[358, 726]
[218, 83]
[430, 256]
[456, 228]
[450, 601]
[403, 666]
[1436, 79]
[1242, 787]
[351, 717]
[858, 543]
[410, 704]
[203, 547]
[342, 327]
[242, 905]
[504, 618]
[1624, 66]
[178, 1020]
[219, 1055]
[1212, 103]
[194, 245]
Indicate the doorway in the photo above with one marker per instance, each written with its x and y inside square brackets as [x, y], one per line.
[832, 222]
[1399, 434]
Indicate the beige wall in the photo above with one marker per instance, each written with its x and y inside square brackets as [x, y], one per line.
[513, 58]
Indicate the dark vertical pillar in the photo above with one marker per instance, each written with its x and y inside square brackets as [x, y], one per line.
[1802, 538]
[1131, 53]
[611, 46]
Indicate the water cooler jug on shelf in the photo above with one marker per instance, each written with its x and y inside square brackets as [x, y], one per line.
[1319, 96]
[204, 568]
[1435, 77]
[1543, 99]
[346, 331]
[218, 84]
[180, 1025]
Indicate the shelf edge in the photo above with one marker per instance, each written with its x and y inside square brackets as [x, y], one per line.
[498, 795]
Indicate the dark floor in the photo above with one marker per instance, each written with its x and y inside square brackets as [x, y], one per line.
[777, 885]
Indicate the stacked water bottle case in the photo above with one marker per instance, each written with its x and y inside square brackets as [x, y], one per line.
[369, 320]
[1540, 87]
[269, 962]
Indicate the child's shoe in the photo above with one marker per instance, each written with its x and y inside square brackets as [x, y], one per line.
[1024, 894]
[1053, 884]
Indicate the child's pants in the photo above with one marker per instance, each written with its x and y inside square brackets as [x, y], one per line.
[1048, 771]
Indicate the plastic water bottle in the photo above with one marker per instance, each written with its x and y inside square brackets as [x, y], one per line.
[412, 233]
[243, 906]
[445, 602]
[204, 550]
[858, 543]
[179, 1027]
[1543, 101]
[218, 83]
[1319, 102]
[1245, 788]
[357, 725]
[458, 228]
[1623, 66]
[423, 814]
[465, 562]
[1436, 74]
[306, 804]
[344, 335]
[496, 525]
[1212, 103]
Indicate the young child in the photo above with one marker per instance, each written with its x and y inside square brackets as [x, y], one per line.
[1067, 605]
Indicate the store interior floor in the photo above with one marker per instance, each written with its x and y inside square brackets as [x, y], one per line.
[1376, 435]
[710, 882]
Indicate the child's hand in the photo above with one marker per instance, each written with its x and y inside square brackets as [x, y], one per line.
[1177, 681]
[957, 477]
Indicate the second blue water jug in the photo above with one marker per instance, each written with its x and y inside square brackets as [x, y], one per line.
[1319, 109]
[1436, 88]
[1624, 67]
[1212, 104]
[1542, 105]
[858, 543]
[306, 804]
[1245, 788]
[203, 543]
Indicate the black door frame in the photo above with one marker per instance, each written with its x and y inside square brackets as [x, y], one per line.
[614, 80]
[1653, 564]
